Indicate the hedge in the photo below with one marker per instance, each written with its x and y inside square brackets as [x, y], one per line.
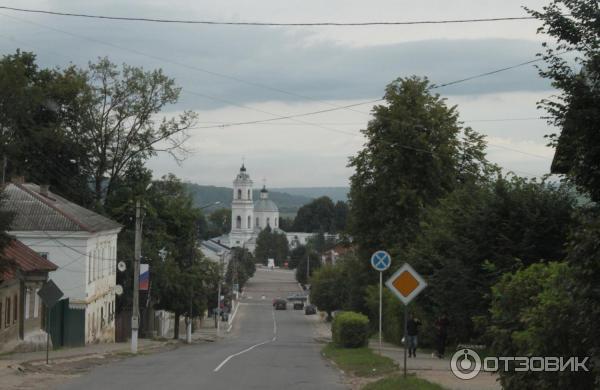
[350, 330]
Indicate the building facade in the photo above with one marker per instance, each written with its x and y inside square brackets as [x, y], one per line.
[22, 314]
[82, 243]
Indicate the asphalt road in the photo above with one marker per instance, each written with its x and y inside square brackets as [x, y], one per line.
[265, 349]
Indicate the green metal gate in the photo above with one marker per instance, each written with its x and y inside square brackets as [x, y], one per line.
[67, 325]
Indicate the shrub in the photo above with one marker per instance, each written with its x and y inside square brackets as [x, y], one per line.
[350, 330]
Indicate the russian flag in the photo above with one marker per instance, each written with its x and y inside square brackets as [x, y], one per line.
[144, 276]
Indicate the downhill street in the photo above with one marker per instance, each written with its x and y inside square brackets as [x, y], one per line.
[265, 349]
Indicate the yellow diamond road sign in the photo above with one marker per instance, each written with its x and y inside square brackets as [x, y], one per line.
[406, 283]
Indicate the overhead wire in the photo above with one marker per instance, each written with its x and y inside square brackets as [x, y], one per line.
[268, 23]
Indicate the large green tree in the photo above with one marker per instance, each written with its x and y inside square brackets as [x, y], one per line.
[271, 245]
[479, 232]
[532, 313]
[325, 287]
[573, 67]
[316, 216]
[38, 112]
[119, 120]
[415, 153]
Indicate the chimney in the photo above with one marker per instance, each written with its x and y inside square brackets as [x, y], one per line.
[44, 190]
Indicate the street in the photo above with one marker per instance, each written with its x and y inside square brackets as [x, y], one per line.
[265, 349]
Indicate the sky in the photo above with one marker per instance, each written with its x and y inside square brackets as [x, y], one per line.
[237, 74]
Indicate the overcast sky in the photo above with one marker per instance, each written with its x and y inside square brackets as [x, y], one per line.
[318, 68]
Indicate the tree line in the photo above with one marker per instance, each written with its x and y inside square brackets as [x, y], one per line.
[513, 262]
[87, 132]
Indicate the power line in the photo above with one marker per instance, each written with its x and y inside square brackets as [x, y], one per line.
[265, 24]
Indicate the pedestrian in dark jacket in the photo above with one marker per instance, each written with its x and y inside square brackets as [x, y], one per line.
[442, 334]
[412, 333]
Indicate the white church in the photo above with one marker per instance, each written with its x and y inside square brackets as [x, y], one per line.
[248, 218]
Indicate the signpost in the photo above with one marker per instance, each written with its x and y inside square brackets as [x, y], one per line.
[50, 295]
[406, 284]
[380, 260]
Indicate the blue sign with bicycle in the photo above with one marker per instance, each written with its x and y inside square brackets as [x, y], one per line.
[381, 260]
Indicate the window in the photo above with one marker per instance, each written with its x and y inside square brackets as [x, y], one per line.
[7, 312]
[238, 222]
[239, 194]
[275, 222]
[43, 254]
[268, 221]
[36, 304]
[27, 305]
[249, 195]
[249, 222]
[89, 267]
[15, 308]
[257, 224]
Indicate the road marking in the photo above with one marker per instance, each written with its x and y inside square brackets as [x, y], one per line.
[228, 358]
[232, 317]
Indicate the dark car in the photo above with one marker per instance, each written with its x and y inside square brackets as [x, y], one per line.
[310, 309]
[280, 304]
[298, 305]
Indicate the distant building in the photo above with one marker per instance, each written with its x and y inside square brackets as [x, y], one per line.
[248, 218]
[84, 246]
[22, 315]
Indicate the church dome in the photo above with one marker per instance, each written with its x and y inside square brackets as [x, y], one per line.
[265, 205]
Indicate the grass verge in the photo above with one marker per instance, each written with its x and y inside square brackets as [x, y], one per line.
[361, 362]
[395, 382]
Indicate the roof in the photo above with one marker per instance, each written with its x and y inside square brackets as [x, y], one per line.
[25, 259]
[34, 211]
[265, 205]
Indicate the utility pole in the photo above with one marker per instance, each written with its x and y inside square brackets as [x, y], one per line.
[135, 315]
[219, 293]
[4, 163]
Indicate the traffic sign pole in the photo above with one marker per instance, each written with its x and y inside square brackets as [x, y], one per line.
[380, 306]
[405, 335]
[406, 284]
[380, 261]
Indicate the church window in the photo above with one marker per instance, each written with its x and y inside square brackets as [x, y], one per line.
[239, 194]
[249, 195]
[275, 222]
[238, 222]
[249, 222]
[268, 221]
[257, 223]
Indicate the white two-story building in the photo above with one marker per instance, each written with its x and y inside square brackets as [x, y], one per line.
[82, 243]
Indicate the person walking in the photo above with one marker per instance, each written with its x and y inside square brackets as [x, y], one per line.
[442, 334]
[412, 333]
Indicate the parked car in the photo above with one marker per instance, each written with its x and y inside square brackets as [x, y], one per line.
[298, 305]
[310, 309]
[280, 304]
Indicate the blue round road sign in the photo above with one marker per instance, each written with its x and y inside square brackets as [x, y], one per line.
[381, 260]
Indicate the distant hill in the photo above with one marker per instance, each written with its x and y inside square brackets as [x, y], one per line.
[288, 203]
[335, 193]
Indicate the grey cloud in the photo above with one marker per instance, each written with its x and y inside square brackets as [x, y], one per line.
[286, 59]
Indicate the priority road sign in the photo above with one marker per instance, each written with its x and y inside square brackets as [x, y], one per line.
[50, 293]
[381, 260]
[406, 283]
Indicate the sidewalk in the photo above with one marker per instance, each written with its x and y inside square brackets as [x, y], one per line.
[436, 370]
[424, 366]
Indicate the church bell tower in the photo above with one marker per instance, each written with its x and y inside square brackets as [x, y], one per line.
[242, 209]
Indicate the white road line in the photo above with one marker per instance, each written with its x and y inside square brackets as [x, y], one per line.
[232, 318]
[228, 358]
